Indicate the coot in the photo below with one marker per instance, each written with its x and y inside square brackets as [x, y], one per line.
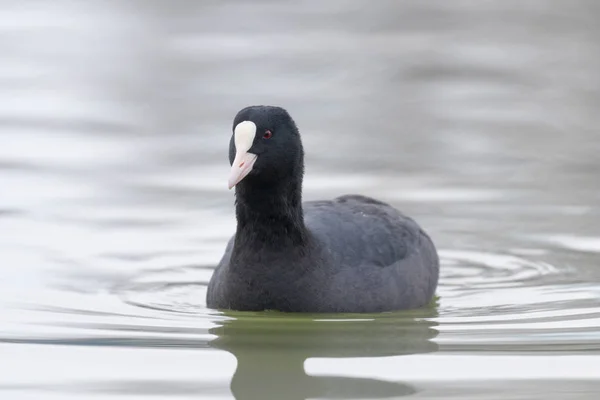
[351, 254]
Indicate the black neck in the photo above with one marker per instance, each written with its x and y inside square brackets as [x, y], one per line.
[270, 216]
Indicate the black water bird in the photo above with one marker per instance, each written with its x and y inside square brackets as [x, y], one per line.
[350, 254]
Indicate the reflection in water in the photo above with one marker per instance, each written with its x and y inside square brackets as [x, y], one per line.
[271, 349]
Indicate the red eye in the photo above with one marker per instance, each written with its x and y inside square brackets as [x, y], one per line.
[268, 134]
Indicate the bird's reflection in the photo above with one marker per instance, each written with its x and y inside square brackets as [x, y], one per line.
[271, 349]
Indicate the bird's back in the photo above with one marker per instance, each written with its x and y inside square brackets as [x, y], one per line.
[379, 259]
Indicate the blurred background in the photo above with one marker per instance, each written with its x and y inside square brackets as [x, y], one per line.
[477, 118]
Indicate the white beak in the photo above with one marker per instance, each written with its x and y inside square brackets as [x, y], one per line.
[242, 165]
[244, 134]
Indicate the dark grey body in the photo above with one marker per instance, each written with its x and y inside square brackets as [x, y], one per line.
[361, 255]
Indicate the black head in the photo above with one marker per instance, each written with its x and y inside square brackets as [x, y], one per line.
[265, 147]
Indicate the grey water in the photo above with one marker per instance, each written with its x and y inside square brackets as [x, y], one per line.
[477, 118]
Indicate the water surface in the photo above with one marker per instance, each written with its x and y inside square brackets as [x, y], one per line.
[479, 119]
